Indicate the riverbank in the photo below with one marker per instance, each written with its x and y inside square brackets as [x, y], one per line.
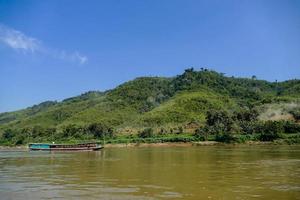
[13, 148]
[184, 139]
[166, 144]
[124, 145]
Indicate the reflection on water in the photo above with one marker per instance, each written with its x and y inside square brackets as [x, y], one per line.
[218, 172]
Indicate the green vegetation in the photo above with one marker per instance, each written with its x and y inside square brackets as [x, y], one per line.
[194, 106]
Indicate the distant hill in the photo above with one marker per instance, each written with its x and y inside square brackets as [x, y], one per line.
[158, 102]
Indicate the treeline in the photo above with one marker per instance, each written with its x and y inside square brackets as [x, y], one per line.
[227, 125]
[69, 132]
[221, 125]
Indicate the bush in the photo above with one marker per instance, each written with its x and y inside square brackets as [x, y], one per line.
[201, 134]
[293, 140]
[162, 131]
[291, 127]
[270, 127]
[227, 138]
[215, 117]
[270, 136]
[19, 140]
[180, 130]
[146, 133]
[244, 138]
[271, 130]
[296, 114]
[246, 115]
[248, 127]
[8, 134]
[99, 130]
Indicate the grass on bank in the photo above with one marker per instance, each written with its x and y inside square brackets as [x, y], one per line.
[173, 138]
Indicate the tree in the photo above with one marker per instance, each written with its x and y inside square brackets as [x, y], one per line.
[202, 133]
[220, 121]
[73, 130]
[38, 131]
[99, 130]
[246, 115]
[146, 133]
[271, 130]
[291, 127]
[189, 70]
[96, 129]
[8, 134]
[19, 139]
[180, 130]
[296, 114]
[162, 131]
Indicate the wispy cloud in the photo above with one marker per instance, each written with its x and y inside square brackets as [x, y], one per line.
[17, 40]
[74, 57]
[21, 42]
[82, 59]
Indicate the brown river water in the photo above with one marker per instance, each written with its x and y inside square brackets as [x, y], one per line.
[204, 172]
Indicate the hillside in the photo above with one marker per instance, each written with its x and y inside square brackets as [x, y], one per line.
[156, 102]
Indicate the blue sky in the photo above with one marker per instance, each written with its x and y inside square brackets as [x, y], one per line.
[51, 50]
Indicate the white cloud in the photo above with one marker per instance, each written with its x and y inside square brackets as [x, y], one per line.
[81, 58]
[73, 57]
[19, 41]
[77, 57]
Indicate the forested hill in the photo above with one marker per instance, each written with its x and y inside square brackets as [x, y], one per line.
[183, 103]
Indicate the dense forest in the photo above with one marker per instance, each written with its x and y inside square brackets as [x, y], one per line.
[194, 106]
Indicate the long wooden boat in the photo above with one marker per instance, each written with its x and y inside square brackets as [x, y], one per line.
[92, 146]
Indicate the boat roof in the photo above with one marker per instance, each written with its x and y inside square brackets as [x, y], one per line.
[68, 144]
[38, 143]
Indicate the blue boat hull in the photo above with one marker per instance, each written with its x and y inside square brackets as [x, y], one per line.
[37, 147]
[64, 147]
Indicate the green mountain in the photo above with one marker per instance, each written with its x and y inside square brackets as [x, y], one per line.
[156, 102]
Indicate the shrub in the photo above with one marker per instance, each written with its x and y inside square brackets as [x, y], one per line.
[246, 115]
[146, 133]
[162, 131]
[291, 127]
[19, 140]
[293, 140]
[270, 136]
[8, 134]
[99, 130]
[270, 127]
[215, 117]
[248, 127]
[227, 138]
[243, 138]
[296, 114]
[201, 134]
[180, 130]
[271, 130]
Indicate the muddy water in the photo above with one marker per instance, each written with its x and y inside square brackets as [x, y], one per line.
[206, 172]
